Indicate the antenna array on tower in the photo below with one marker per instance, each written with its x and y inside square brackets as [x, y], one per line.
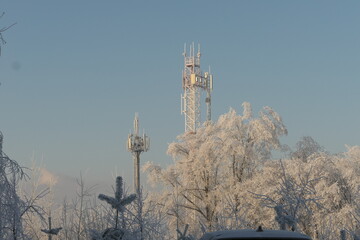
[136, 145]
[193, 81]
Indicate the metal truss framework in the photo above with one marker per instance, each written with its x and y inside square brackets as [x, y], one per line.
[193, 81]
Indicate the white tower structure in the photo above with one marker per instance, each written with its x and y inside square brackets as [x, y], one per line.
[193, 81]
[136, 145]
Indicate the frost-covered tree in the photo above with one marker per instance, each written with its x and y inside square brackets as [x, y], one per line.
[118, 203]
[11, 205]
[294, 197]
[335, 188]
[306, 147]
[209, 164]
[348, 209]
[248, 140]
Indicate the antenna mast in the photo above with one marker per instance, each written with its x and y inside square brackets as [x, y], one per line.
[136, 145]
[193, 81]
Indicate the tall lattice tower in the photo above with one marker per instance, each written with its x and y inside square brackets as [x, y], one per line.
[193, 82]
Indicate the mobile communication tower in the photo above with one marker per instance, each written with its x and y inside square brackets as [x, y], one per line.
[193, 82]
[136, 145]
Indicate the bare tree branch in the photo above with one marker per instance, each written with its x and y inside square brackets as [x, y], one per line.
[2, 30]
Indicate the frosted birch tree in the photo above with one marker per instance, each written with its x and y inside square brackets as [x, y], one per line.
[209, 164]
[248, 141]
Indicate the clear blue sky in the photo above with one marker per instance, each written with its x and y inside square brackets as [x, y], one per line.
[73, 73]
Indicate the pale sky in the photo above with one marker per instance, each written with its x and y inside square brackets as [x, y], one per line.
[73, 74]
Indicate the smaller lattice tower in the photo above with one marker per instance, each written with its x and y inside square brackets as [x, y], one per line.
[193, 82]
[136, 145]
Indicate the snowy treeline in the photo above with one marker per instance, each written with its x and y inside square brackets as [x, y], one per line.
[222, 177]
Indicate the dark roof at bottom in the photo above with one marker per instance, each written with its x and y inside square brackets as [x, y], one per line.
[253, 234]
